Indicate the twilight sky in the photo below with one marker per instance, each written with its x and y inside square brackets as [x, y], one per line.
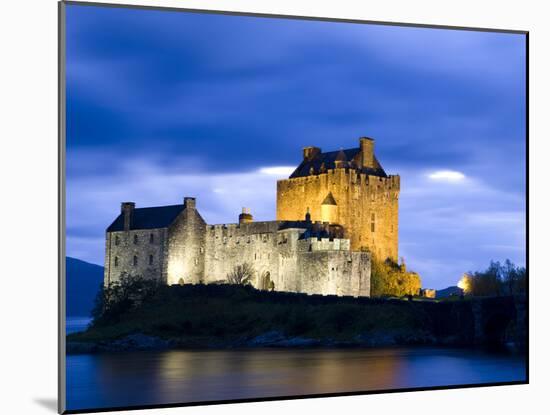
[162, 105]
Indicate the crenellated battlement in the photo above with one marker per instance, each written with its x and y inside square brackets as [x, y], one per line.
[325, 244]
[347, 176]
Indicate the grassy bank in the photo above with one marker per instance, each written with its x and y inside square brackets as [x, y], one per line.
[230, 316]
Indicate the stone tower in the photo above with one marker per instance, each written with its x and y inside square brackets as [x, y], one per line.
[349, 188]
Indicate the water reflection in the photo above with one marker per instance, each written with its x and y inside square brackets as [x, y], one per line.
[148, 378]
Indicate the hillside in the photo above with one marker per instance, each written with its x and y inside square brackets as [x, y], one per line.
[83, 282]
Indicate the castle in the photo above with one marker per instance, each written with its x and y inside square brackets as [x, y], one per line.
[334, 213]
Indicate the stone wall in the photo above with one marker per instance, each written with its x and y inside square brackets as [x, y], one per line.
[234, 244]
[364, 203]
[186, 247]
[332, 271]
[312, 266]
[135, 252]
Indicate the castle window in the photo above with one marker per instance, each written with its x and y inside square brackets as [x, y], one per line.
[202, 250]
[196, 261]
[116, 261]
[150, 259]
[372, 222]
[135, 239]
[135, 261]
[151, 238]
[117, 240]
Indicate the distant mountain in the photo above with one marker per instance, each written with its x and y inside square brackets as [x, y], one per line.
[83, 282]
[449, 291]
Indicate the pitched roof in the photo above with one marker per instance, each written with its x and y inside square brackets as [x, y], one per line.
[329, 200]
[327, 160]
[149, 218]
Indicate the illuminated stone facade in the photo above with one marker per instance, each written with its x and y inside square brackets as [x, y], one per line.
[347, 187]
[180, 248]
[333, 213]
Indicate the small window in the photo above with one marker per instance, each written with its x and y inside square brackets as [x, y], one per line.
[117, 240]
[135, 239]
[151, 238]
[116, 261]
[150, 259]
[135, 261]
[372, 223]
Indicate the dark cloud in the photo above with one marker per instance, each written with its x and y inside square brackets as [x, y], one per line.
[168, 94]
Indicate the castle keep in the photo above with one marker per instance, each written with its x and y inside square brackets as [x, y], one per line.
[347, 187]
[334, 213]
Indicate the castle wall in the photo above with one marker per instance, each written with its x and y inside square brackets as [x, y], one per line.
[200, 253]
[358, 198]
[329, 268]
[311, 266]
[121, 248]
[234, 244]
[185, 248]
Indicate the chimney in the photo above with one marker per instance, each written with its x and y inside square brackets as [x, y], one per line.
[245, 216]
[127, 210]
[311, 152]
[189, 203]
[367, 152]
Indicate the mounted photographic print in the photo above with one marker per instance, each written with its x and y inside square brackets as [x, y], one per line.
[260, 207]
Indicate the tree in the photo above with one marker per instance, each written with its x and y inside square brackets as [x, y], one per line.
[497, 279]
[391, 279]
[241, 274]
[128, 292]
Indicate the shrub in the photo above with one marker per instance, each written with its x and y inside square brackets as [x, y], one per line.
[391, 279]
[241, 274]
[122, 295]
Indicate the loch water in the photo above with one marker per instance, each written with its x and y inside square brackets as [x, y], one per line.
[183, 376]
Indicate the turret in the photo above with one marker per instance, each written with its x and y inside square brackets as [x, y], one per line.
[245, 216]
[329, 209]
[341, 160]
